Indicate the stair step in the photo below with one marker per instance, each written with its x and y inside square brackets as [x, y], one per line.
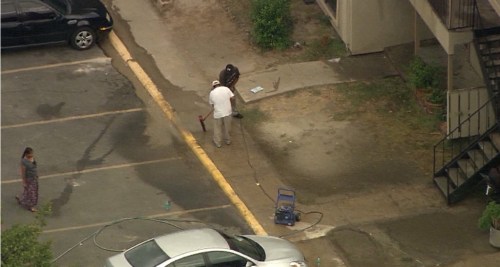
[488, 149]
[494, 75]
[493, 83]
[456, 176]
[477, 157]
[484, 46]
[486, 32]
[492, 50]
[495, 139]
[492, 63]
[467, 167]
[487, 58]
[489, 38]
[493, 69]
[442, 184]
[488, 55]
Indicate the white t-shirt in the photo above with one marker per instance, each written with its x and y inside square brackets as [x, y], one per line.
[220, 98]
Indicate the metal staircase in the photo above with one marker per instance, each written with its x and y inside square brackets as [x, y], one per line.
[460, 159]
[458, 164]
[487, 43]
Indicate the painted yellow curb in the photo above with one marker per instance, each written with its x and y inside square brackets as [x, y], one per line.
[186, 135]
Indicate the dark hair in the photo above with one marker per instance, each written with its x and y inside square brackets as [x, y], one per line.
[27, 150]
[229, 67]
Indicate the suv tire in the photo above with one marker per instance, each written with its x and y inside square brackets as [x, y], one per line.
[83, 38]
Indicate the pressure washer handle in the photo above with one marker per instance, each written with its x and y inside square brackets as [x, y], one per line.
[206, 116]
[202, 122]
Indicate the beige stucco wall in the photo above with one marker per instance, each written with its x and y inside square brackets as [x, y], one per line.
[368, 26]
[496, 5]
[447, 39]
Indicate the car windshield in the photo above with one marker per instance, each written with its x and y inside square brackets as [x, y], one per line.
[60, 5]
[148, 254]
[245, 246]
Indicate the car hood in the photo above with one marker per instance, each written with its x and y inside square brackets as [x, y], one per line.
[277, 248]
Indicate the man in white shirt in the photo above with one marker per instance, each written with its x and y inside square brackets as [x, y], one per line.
[220, 99]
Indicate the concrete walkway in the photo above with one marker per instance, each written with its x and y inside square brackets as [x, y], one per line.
[290, 77]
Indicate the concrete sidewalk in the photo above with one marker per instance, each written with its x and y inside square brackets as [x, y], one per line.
[290, 77]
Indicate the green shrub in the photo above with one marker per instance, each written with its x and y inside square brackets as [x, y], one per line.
[272, 23]
[437, 96]
[423, 75]
[490, 217]
[20, 245]
[325, 48]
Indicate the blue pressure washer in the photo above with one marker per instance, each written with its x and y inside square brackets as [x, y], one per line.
[285, 208]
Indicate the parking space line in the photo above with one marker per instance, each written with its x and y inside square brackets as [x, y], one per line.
[111, 167]
[73, 118]
[174, 213]
[94, 60]
[188, 137]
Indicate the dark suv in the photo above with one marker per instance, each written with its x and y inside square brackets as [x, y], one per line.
[81, 23]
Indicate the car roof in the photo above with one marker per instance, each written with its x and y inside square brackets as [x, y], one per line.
[185, 241]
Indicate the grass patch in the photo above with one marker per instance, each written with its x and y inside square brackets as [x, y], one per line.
[291, 94]
[391, 90]
[324, 20]
[254, 115]
[342, 116]
[389, 96]
[390, 105]
[324, 48]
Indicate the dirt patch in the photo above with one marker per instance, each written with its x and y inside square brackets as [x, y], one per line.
[312, 32]
[325, 143]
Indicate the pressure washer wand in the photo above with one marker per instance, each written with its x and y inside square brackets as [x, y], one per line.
[202, 120]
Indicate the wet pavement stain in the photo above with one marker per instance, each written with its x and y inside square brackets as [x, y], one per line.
[63, 199]
[81, 164]
[47, 111]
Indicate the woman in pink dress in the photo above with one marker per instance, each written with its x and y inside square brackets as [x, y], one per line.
[29, 175]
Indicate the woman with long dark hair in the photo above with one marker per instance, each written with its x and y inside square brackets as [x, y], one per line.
[29, 175]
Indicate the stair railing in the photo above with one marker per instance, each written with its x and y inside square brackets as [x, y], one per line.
[450, 151]
[491, 76]
[455, 14]
[491, 84]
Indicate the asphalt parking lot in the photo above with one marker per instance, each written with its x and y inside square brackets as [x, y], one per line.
[103, 156]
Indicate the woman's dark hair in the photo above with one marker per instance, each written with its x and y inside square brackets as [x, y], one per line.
[27, 150]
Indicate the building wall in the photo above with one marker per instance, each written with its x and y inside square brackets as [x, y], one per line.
[370, 26]
[496, 5]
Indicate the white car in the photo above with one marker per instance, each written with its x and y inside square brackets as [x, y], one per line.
[210, 248]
